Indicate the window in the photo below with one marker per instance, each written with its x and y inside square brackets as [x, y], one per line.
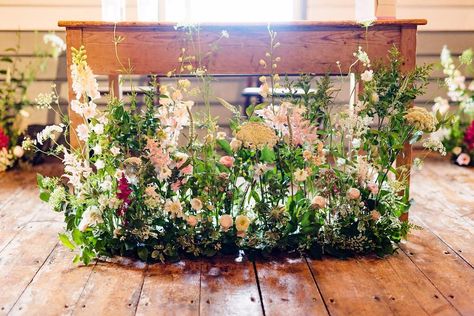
[232, 10]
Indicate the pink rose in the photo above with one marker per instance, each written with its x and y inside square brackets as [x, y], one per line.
[227, 161]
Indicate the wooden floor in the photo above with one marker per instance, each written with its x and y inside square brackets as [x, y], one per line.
[431, 275]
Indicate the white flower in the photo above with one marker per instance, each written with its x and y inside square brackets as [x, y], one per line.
[356, 143]
[106, 185]
[84, 82]
[44, 100]
[49, 132]
[362, 57]
[225, 34]
[97, 149]
[221, 135]
[300, 175]
[56, 42]
[99, 164]
[18, 151]
[441, 105]
[98, 129]
[90, 110]
[367, 75]
[92, 216]
[196, 204]
[82, 132]
[115, 150]
[340, 161]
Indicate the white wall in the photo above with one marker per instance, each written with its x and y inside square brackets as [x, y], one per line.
[44, 14]
[442, 15]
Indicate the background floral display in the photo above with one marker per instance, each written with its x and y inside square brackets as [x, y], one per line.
[459, 137]
[13, 92]
[296, 174]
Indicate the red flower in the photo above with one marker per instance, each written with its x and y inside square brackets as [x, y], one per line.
[469, 136]
[124, 195]
[4, 139]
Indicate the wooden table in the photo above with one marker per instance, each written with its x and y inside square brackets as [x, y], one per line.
[306, 47]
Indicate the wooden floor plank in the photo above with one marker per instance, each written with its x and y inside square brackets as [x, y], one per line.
[171, 289]
[347, 289]
[112, 289]
[451, 275]
[452, 185]
[229, 288]
[23, 257]
[423, 291]
[17, 213]
[56, 287]
[287, 287]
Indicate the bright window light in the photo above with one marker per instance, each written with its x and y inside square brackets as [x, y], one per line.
[229, 10]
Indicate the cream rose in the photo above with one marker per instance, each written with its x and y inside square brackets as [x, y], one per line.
[318, 202]
[242, 223]
[196, 204]
[226, 222]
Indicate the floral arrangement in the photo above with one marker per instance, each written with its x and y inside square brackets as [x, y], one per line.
[458, 138]
[163, 181]
[13, 91]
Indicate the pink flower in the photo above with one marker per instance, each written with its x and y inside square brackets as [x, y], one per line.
[227, 161]
[123, 194]
[373, 188]
[4, 139]
[187, 170]
[176, 185]
[353, 194]
[469, 136]
[463, 159]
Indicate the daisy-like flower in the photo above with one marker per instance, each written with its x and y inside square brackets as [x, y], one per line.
[174, 208]
[301, 175]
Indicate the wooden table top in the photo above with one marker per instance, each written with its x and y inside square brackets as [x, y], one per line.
[346, 23]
